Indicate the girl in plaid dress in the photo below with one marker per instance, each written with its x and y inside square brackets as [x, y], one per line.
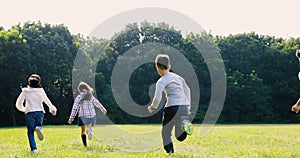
[84, 103]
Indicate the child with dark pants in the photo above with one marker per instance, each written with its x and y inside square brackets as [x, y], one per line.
[173, 116]
[177, 107]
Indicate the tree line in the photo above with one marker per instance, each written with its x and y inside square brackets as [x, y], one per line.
[261, 71]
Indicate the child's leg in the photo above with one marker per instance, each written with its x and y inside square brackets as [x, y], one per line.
[83, 129]
[83, 135]
[183, 126]
[166, 136]
[89, 125]
[180, 134]
[168, 123]
[39, 122]
[39, 118]
[89, 131]
[30, 123]
[186, 125]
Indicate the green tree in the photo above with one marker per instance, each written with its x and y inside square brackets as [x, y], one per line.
[248, 99]
[36, 48]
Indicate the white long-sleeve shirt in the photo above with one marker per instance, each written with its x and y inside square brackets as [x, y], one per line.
[176, 89]
[34, 98]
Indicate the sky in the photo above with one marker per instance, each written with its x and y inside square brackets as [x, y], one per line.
[279, 18]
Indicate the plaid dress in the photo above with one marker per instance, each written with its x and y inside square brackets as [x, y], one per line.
[86, 107]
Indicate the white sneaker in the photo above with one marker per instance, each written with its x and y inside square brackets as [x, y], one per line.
[171, 154]
[34, 151]
[39, 133]
[90, 134]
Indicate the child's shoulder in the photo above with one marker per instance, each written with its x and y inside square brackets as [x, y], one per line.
[174, 75]
[171, 76]
[29, 89]
[166, 78]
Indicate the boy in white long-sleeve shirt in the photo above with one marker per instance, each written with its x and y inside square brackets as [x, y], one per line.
[34, 96]
[177, 107]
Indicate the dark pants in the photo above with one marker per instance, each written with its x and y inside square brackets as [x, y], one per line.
[33, 119]
[172, 117]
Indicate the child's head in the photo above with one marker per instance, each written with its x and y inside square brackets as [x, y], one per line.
[34, 81]
[162, 63]
[84, 87]
[298, 54]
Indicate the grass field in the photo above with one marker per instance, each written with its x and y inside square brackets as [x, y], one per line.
[221, 141]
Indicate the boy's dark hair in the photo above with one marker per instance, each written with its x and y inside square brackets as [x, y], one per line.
[34, 81]
[162, 61]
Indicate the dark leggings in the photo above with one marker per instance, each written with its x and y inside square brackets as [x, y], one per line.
[172, 117]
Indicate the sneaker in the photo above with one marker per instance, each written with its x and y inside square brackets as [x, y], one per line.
[34, 151]
[188, 128]
[187, 125]
[171, 154]
[90, 134]
[39, 133]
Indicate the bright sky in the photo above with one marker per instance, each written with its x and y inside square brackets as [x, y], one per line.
[278, 18]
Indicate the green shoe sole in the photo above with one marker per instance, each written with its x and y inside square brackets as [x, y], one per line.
[188, 128]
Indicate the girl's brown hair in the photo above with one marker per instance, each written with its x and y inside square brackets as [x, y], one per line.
[84, 87]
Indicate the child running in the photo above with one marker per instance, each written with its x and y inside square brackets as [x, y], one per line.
[85, 103]
[295, 108]
[34, 96]
[177, 107]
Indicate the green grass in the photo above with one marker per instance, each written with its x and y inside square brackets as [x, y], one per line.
[127, 140]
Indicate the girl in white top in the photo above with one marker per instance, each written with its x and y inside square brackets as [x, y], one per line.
[34, 96]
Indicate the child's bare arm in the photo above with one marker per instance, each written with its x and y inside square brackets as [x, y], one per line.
[296, 107]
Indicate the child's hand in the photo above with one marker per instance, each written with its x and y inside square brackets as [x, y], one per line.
[104, 112]
[70, 122]
[150, 110]
[295, 108]
[53, 112]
